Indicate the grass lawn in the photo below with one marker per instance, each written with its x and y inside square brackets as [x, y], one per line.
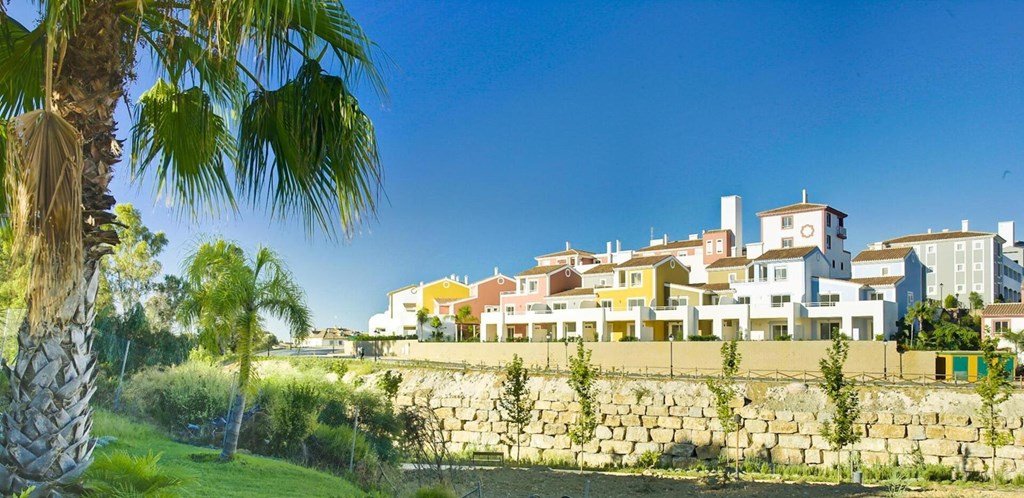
[244, 476]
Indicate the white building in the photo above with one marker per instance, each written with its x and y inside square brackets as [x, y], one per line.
[806, 224]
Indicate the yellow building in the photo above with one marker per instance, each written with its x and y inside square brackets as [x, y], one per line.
[728, 270]
[443, 291]
[641, 283]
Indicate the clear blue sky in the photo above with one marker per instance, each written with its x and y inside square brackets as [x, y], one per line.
[515, 126]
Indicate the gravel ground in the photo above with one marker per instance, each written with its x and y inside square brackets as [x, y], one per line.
[548, 483]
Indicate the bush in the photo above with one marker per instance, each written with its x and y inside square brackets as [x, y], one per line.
[704, 338]
[629, 338]
[648, 459]
[122, 475]
[784, 337]
[292, 409]
[192, 393]
[436, 491]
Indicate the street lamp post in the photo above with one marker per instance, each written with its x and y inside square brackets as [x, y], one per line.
[671, 354]
[549, 350]
[885, 359]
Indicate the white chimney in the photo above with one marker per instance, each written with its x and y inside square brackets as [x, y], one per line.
[693, 236]
[664, 239]
[929, 230]
[465, 279]
[495, 271]
[618, 245]
[944, 230]
[732, 219]
[568, 245]
[608, 247]
[421, 283]
[805, 196]
[965, 225]
[1008, 231]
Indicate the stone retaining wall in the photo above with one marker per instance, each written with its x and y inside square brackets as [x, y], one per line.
[780, 423]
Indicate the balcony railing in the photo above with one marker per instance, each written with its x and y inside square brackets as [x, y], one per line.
[820, 304]
[779, 305]
[665, 308]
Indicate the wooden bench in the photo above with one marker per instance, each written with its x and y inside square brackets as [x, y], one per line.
[488, 456]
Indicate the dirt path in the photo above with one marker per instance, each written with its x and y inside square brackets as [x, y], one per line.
[548, 483]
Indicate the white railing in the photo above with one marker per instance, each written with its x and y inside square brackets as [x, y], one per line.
[779, 305]
[820, 304]
[665, 308]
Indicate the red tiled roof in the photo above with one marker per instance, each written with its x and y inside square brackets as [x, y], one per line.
[566, 253]
[877, 281]
[676, 244]
[787, 253]
[642, 261]
[1004, 309]
[729, 263]
[927, 237]
[605, 268]
[882, 254]
[540, 270]
[580, 291]
[799, 208]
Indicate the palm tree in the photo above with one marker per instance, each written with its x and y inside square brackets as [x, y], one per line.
[242, 113]
[920, 311]
[232, 293]
[463, 316]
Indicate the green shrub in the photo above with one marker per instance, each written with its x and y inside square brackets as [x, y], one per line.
[292, 410]
[191, 393]
[629, 338]
[436, 491]
[376, 419]
[704, 338]
[648, 459]
[119, 474]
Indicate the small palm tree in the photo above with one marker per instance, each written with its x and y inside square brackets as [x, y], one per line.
[240, 110]
[231, 294]
[920, 311]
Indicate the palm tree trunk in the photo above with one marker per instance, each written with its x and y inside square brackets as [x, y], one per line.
[234, 427]
[46, 431]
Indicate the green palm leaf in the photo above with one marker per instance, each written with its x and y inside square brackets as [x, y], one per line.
[308, 150]
[21, 67]
[191, 141]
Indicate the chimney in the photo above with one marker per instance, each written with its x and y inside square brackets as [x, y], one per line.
[568, 245]
[1007, 230]
[495, 271]
[805, 196]
[694, 236]
[608, 247]
[944, 230]
[421, 283]
[664, 239]
[465, 279]
[929, 230]
[732, 219]
[965, 225]
[618, 245]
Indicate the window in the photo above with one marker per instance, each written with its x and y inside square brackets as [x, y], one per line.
[931, 289]
[825, 330]
[603, 283]
[828, 242]
[1000, 326]
[491, 309]
[510, 331]
[828, 299]
[959, 288]
[732, 277]
[828, 219]
[930, 249]
[743, 300]
[885, 271]
[959, 246]
[778, 301]
[531, 286]
[678, 302]
[719, 246]
[779, 331]
[977, 244]
[606, 303]
[910, 298]
[558, 306]
[978, 287]
[959, 267]
[977, 266]
[875, 296]
[708, 248]
[787, 222]
[633, 303]
[636, 279]
[780, 273]
[833, 264]
[787, 242]
[510, 309]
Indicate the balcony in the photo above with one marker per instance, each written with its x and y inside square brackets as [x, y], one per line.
[841, 232]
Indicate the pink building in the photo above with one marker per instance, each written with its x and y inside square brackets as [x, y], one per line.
[484, 295]
[535, 284]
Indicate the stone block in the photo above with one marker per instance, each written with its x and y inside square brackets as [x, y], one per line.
[609, 409]
[619, 433]
[756, 425]
[465, 414]
[443, 413]
[500, 427]
[900, 446]
[477, 426]
[623, 399]
[803, 417]
[465, 437]
[934, 432]
[875, 457]
[962, 433]
[451, 424]
[940, 447]
[709, 452]
[782, 427]
[617, 447]
[784, 416]
[980, 450]
[560, 406]
[787, 456]
[535, 427]
[681, 449]
[954, 419]
[700, 438]
[915, 432]
[766, 415]
[657, 411]
[1011, 452]
[810, 428]
[694, 423]
[637, 409]
[622, 409]
[764, 439]
[600, 460]
[490, 438]
[560, 455]
[678, 411]
[542, 405]
[630, 421]
[902, 418]
[929, 418]
[975, 465]
[884, 418]
[662, 435]
[548, 416]
[403, 400]
[612, 420]
[637, 434]
[451, 402]
[870, 444]
[670, 422]
[603, 432]
[819, 443]
[649, 422]
[641, 448]
[555, 429]
[812, 456]
[562, 442]
[695, 412]
[887, 431]
[1005, 465]
[542, 441]
[798, 441]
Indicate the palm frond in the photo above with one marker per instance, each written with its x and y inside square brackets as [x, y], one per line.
[279, 294]
[44, 185]
[22, 54]
[180, 131]
[308, 150]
